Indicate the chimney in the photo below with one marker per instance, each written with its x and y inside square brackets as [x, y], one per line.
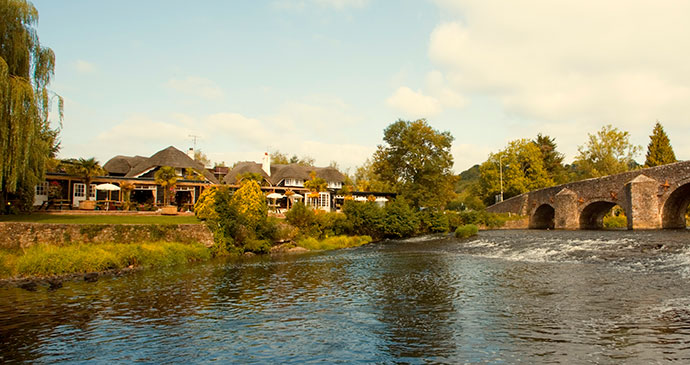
[266, 164]
[190, 153]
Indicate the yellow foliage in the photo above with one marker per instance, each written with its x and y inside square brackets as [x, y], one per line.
[205, 207]
[250, 202]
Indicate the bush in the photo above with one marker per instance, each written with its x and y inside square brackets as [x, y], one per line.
[399, 221]
[433, 222]
[465, 231]
[615, 221]
[364, 218]
[206, 207]
[257, 246]
[303, 218]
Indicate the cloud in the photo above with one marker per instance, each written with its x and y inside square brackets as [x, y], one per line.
[197, 86]
[567, 62]
[414, 104]
[84, 67]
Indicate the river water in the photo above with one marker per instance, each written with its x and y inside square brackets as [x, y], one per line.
[503, 297]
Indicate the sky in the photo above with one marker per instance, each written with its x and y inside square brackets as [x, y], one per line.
[324, 78]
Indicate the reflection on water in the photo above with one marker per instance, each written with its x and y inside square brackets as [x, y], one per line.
[507, 296]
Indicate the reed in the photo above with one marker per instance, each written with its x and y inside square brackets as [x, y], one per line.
[47, 260]
[333, 243]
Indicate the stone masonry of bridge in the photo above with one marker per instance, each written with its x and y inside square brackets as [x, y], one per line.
[652, 198]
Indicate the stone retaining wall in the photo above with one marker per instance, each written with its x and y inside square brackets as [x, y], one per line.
[14, 235]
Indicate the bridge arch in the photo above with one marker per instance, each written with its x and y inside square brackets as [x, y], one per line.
[673, 213]
[592, 216]
[543, 217]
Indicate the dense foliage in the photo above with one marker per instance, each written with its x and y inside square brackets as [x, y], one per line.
[607, 152]
[26, 68]
[523, 170]
[659, 150]
[167, 179]
[416, 161]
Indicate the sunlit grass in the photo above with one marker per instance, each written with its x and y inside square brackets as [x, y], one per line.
[101, 219]
[333, 243]
[47, 260]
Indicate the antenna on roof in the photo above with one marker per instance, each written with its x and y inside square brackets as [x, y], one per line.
[194, 138]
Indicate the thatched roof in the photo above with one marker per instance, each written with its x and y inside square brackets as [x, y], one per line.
[242, 168]
[171, 156]
[121, 165]
[282, 172]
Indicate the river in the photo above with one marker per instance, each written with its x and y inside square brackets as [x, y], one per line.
[502, 297]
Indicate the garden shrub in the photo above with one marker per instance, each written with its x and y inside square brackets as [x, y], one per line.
[364, 218]
[399, 220]
[205, 207]
[257, 246]
[433, 221]
[467, 230]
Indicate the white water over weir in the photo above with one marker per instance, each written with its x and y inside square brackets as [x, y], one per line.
[505, 296]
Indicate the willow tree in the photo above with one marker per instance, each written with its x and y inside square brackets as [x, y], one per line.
[26, 68]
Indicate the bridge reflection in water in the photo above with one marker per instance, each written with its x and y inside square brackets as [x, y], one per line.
[652, 198]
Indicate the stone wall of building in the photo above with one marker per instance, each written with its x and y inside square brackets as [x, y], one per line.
[16, 235]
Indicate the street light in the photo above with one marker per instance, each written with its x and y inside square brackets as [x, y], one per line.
[500, 169]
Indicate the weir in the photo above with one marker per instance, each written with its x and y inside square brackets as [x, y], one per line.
[652, 198]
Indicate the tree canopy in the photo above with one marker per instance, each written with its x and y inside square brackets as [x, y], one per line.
[659, 150]
[523, 170]
[280, 158]
[26, 68]
[607, 152]
[416, 161]
[553, 160]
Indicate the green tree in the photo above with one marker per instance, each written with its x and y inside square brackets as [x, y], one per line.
[250, 203]
[87, 169]
[607, 152]
[201, 158]
[26, 68]
[659, 150]
[416, 160]
[366, 179]
[280, 158]
[167, 179]
[523, 171]
[553, 160]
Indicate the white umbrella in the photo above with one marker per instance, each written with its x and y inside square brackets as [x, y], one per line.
[296, 196]
[274, 196]
[361, 199]
[381, 199]
[107, 187]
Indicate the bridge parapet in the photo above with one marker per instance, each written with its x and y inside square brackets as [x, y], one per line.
[652, 198]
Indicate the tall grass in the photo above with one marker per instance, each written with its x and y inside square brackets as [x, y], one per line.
[333, 243]
[47, 260]
[100, 219]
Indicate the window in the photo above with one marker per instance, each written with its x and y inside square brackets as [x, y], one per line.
[42, 188]
[79, 190]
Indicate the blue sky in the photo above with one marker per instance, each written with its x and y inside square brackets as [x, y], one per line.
[325, 77]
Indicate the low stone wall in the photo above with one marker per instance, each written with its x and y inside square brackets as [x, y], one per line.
[522, 223]
[14, 235]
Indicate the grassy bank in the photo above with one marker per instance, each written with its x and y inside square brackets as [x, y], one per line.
[47, 260]
[100, 219]
[333, 243]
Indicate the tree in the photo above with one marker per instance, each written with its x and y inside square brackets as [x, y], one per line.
[87, 169]
[201, 158]
[26, 68]
[279, 158]
[553, 160]
[167, 179]
[366, 179]
[659, 150]
[250, 204]
[607, 152]
[523, 170]
[415, 159]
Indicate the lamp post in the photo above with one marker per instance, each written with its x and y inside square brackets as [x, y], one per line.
[500, 170]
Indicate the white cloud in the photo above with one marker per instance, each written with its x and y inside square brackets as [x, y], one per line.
[239, 128]
[84, 67]
[468, 155]
[414, 104]
[570, 61]
[197, 86]
[568, 68]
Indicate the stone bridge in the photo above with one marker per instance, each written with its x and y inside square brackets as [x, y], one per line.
[652, 198]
